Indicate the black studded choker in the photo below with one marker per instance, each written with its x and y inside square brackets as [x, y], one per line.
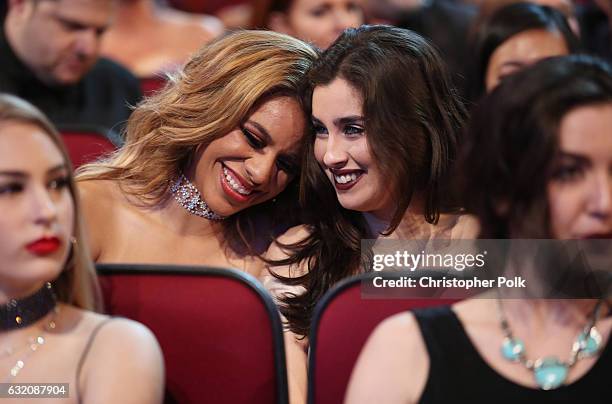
[20, 313]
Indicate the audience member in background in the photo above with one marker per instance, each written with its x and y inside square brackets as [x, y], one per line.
[596, 26]
[232, 13]
[514, 37]
[387, 123]
[539, 157]
[49, 52]
[566, 7]
[150, 39]
[319, 22]
[48, 286]
[223, 136]
[446, 23]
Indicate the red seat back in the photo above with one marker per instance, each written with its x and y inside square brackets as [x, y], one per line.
[86, 146]
[150, 85]
[342, 322]
[219, 331]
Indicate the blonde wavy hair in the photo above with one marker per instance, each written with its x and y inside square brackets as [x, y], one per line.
[77, 285]
[215, 92]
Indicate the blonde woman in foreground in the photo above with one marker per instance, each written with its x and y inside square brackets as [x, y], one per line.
[48, 287]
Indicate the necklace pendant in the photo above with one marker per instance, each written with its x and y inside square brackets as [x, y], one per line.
[550, 373]
[588, 343]
[513, 349]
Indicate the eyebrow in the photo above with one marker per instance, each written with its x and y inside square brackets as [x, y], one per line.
[22, 174]
[573, 156]
[339, 122]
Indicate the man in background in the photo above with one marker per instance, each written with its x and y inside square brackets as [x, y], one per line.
[49, 56]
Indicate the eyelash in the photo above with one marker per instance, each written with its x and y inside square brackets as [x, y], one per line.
[568, 173]
[16, 187]
[348, 130]
[253, 140]
[286, 166]
[11, 188]
[353, 130]
[59, 183]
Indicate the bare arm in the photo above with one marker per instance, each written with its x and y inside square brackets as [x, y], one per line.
[295, 349]
[393, 365]
[124, 365]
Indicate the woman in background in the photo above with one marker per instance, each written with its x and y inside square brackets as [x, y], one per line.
[48, 287]
[319, 22]
[151, 39]
[514, 37]
[538, 163]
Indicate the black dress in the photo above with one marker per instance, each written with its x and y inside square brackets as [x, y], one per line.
[458, 374]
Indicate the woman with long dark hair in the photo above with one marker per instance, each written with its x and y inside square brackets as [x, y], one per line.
[386, 125]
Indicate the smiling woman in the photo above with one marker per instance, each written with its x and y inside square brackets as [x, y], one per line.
[221, 138]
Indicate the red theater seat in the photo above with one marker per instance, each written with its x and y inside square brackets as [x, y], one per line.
[342, 322]
[149, 85]
[219, 330]
[85, 146]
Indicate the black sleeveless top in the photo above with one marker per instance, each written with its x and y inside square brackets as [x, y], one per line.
[458, 374]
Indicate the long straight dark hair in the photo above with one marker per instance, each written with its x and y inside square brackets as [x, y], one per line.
[413, 119]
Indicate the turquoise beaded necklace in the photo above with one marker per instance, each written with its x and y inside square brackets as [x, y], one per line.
[551, 372]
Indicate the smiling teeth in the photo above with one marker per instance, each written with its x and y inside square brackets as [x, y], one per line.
[343, 179]
[234, 184]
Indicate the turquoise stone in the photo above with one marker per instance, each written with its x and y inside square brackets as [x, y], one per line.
[589, 343]
[550, 373]
[512, 348]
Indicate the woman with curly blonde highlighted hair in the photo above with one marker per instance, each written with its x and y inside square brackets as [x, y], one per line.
[223, 136]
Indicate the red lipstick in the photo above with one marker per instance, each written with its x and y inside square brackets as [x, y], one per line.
[44, 246]
[348, 185]
[229, 191]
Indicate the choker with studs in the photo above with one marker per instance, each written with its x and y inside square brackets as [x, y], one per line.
[188, 196]
[20, 313]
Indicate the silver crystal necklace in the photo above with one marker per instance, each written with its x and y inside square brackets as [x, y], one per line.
[188, 196]
[551, 372]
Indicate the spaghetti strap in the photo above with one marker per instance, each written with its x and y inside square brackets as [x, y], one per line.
[86, 350]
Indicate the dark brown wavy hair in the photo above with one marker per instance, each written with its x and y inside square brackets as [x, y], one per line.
[413, 119]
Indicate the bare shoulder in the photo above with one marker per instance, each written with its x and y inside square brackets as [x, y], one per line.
[99, 193]
[100, 201]
[402, 331]
[126, 351]
[393, 365]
